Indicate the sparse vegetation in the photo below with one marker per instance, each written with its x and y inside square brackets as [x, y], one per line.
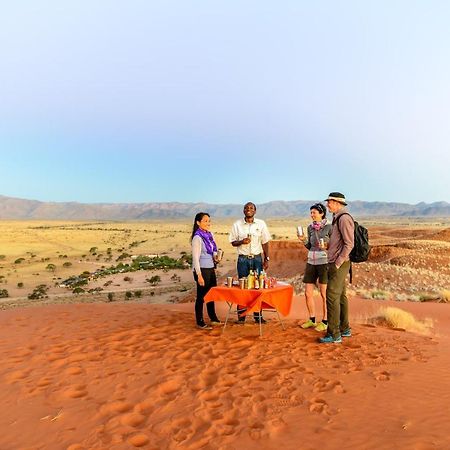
[40, 291]
[4, 293]
[154, 280]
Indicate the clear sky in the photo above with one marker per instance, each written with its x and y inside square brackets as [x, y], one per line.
[225, 101]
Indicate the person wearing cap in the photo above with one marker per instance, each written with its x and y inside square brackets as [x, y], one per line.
[339, 248]
[251, 238]
[316, 241]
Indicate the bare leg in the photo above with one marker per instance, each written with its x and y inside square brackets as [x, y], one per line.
[309, 295]
[323, 294]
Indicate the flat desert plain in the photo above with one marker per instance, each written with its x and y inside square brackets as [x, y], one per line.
[120, 365]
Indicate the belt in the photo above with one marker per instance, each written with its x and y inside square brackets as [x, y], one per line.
[249, 256]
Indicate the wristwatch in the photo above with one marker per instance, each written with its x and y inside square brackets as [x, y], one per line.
[267, 258]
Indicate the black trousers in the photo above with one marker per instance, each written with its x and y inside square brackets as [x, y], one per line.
[209, 275]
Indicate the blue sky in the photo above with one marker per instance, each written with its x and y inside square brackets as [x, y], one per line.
[224, 101]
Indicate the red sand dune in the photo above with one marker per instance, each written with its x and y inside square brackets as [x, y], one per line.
[124, 376]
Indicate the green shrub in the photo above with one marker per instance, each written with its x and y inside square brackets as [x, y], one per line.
[110, 296]
[138, 294]
[128, 295]
[4, 293]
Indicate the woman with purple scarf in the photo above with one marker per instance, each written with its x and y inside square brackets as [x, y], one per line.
[204, 259]
[316, 241]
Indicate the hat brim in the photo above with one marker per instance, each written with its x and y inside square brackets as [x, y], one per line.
[342, 202]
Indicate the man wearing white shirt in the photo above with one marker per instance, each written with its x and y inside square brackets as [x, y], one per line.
[251, 238]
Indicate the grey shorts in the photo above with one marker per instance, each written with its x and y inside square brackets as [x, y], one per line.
[314, 273]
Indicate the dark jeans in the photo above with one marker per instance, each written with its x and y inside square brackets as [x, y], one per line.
[209, 275]
[244, 265]
[337, 302]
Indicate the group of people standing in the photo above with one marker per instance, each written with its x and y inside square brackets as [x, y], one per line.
[329, 246]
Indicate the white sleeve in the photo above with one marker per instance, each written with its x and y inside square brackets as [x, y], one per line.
[234, 233]
[196, 251]
[265, 235]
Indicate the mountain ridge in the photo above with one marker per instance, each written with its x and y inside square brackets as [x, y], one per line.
[17, 208]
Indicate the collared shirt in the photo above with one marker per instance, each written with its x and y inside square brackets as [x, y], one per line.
[341, 238]
[257, 230]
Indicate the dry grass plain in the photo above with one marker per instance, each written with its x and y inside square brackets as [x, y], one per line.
[410, 259]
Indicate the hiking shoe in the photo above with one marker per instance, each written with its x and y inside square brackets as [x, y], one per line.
[308, 324]
[262, 320]
[321, 327]
[347, 333]
[329, 339]
[204, 326]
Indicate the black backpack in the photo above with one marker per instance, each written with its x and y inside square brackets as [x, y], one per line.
[361, 248]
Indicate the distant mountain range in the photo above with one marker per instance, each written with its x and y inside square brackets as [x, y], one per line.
[15, 208]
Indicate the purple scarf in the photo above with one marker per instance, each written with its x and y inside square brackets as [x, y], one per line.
[208, 240]
[319, 225]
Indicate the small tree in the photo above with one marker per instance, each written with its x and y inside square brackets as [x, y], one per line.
[154, 280]
[50, 267]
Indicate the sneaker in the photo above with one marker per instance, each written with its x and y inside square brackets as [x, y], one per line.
[329, 339]
[262, 320]
[204, 326]
[308, 324]
[216, 322]
[240, 322]
[347, 333]
[321, 327]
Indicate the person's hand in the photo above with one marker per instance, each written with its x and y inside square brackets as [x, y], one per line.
[201, 281]
[303, 238]
[246, 241]
[265, 265]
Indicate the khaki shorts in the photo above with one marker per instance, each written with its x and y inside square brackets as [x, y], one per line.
[314, 273]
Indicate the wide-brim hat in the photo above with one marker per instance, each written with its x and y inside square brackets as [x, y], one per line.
[337, 197]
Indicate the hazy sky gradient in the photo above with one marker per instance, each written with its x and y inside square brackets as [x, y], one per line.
[224, 101]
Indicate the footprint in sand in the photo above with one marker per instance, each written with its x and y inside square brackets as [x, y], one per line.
[318, 405]
[139, 440]
[382, 375]
[76, 391]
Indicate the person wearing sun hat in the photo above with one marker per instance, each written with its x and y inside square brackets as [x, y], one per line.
[339, 248]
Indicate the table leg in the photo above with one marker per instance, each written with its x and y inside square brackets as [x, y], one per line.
[279, 318]
[228, 315]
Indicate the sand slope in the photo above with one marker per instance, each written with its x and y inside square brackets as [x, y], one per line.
[123, 376]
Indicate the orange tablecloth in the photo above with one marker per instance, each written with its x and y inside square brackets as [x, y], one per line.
[278, 297]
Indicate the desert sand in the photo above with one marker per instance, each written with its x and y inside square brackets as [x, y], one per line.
[80, 373]
[128, 375]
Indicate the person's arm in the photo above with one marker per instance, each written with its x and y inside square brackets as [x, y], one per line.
[265, 238]
[307, 241]
[196, 251]
[266, 256]
[347, 230]
[234, 237]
